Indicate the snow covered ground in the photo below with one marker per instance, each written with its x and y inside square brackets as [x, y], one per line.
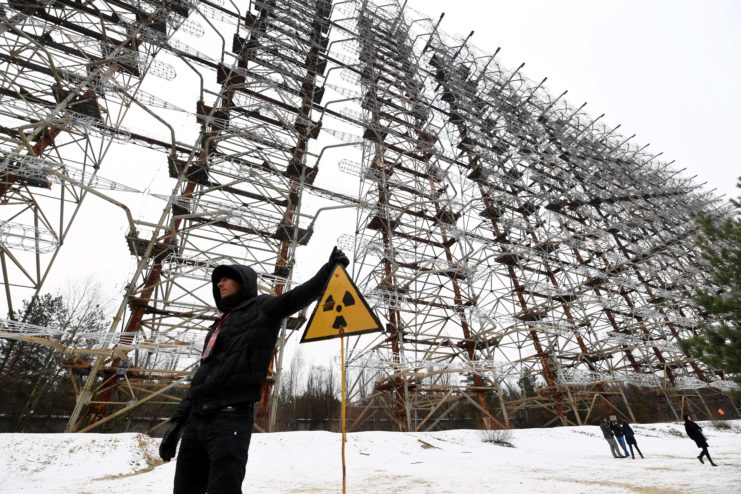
[560, 460]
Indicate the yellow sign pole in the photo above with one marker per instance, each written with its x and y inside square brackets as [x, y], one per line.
[341, 311]
[342, 412]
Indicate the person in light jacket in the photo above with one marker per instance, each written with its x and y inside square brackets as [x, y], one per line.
[610, 438]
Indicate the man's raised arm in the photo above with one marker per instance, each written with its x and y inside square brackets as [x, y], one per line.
[294, 300]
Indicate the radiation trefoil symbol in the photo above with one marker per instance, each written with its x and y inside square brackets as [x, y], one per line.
[329, 304]
[341, 310]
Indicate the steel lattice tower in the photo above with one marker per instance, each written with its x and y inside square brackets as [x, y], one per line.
[505, 237]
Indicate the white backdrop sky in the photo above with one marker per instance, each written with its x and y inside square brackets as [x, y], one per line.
[669, 71]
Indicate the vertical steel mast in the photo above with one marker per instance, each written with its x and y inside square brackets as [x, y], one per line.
[238, 197]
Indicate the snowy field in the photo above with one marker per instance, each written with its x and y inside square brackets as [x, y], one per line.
[561, 460]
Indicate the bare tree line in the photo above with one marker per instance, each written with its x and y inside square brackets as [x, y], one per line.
[309, 396]
[38, 380]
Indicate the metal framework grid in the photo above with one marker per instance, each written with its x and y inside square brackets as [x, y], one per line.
[503, 235]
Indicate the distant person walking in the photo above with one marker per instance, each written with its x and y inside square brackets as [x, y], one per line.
[610, 438]
[630, 438]
[695, 433]
[618, 431]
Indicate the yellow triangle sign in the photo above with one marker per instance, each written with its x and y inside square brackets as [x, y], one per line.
[341, 306]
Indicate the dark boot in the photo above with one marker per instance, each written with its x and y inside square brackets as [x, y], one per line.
[700, 458]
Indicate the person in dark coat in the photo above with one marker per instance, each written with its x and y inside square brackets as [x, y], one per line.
[610, 438]
[695, 433]
[618, 431]
[216, 418]
[630, 438]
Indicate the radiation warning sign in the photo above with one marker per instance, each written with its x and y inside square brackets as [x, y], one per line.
[341, 307]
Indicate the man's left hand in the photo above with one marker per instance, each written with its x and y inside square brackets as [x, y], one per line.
[338, 257]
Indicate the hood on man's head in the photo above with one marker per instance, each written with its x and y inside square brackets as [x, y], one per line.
[244, 275]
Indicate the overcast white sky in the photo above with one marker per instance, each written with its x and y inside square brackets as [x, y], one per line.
[669, 71]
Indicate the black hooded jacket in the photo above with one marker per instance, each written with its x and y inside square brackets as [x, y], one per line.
[616, 429]
[236, 369]
[630, 436]
[695, 433]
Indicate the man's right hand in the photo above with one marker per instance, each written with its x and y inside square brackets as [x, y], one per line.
[170, 441]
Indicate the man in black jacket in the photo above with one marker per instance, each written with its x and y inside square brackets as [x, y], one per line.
[216, 417]
[630, 438]
[695, 433]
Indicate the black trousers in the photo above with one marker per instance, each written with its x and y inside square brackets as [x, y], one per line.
[705, 453]
[213, 452]
[630, 445]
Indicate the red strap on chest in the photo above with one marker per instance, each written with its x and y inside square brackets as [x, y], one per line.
[212, 340]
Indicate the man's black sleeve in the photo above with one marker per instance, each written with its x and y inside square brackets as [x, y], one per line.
[294, 300]
[183, 411]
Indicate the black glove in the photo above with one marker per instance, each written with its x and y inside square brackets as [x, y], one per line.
[338, 257]
[170, 441]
